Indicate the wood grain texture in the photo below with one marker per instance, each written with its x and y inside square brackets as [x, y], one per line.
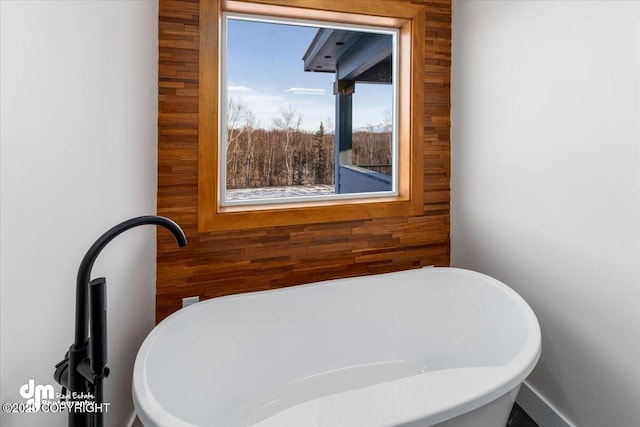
[223, 263]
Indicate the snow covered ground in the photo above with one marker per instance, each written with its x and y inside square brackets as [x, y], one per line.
[279, 192]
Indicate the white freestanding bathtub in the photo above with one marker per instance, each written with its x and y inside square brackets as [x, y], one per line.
[435, 346]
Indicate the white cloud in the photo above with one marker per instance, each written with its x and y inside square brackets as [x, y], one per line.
[306, 91]
[239, 88]
[267, 106]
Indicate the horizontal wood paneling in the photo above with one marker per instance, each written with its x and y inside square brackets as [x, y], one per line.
[223, 263]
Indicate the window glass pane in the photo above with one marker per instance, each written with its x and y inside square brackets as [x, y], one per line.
[290, 91]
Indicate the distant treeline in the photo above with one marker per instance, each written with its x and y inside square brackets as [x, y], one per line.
[287, 155]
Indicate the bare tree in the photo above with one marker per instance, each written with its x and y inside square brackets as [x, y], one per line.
[372, 145]
[285, 154]
[367, 144]
[237, 113]
[290, 125]
[248, 153]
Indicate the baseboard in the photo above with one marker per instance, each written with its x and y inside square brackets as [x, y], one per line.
[132, 420]
[541, 411]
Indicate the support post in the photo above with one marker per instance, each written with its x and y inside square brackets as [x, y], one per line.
[343, 90]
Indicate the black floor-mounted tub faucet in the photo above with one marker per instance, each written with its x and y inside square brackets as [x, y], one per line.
[83, 369]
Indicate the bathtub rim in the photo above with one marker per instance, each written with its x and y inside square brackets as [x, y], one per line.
[515, 371]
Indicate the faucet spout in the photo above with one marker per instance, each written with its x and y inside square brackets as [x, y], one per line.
[84, 271]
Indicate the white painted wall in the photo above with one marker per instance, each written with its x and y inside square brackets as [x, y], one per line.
[78, 155]
[546, 185]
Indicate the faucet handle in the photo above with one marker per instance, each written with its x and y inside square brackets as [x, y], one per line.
[98, 323]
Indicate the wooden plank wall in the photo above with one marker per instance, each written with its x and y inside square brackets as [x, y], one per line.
[225, 263]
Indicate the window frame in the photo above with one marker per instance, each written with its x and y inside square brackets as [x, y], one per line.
[409, 19]
[224, 95]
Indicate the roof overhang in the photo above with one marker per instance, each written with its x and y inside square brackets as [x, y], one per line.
[353, 55]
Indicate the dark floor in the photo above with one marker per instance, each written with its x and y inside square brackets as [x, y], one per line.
[519, 418]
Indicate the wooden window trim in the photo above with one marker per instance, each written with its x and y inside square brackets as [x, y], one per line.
[409, 201]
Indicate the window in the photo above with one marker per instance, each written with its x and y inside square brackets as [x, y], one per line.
[339, 137]
[309, 111]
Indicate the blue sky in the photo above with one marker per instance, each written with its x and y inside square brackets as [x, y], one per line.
[266, 72]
